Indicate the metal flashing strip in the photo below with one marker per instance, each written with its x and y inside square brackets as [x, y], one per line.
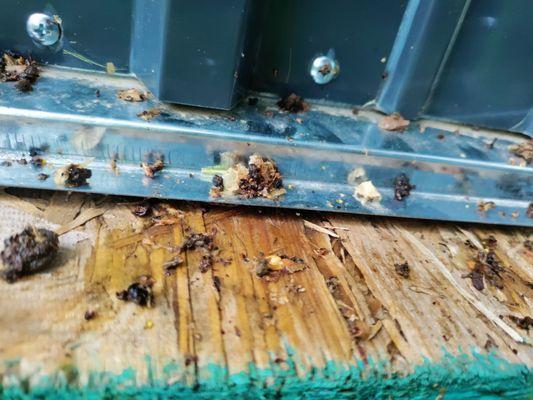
[423, 43]
[454, 170]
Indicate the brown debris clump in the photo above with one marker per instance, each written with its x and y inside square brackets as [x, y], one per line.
[28, 252]
[403, 270]
[293, 104]
[72, 175]
[402, 187]
[132, 95]
[523, 150]
[139, 292]
[273, 266]
[260, 178]
[218, 186]
[197, 241]
[523, 323]
[203, 242]
[153, 164]
[393, 123]
[16, 68]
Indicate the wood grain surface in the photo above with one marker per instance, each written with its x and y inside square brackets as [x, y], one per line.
[348, 306]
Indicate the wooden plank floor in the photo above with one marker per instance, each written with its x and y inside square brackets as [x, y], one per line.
[349, 307]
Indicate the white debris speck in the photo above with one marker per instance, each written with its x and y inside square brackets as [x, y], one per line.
[356, 176]
[366, 192]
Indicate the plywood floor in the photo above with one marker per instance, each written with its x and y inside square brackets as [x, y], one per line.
[349, 306]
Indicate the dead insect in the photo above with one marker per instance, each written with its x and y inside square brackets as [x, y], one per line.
[203, 242]
[484, 206]
[152, 164]
[486, 268]
[490, 242]
[477, 279]
[218, 182]
[402, 187]
[274, 265]
[402, 269]
[142, 210]
[150, 114]
[132, 95]
[139, 293]
[89, 314]
[198, 240]
[28, 252]
[206, 262]
[218, 186]
[529, 211]
[5, 164]
[43, 177]
[293, 104]
[394, 122]
[37, 162]
[333, 283]
[72, 175]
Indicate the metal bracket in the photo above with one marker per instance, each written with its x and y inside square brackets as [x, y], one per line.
[453, 167]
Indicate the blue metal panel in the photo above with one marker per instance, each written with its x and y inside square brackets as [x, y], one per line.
[315, 152]
[148, 38]
[97, 30]
[428, 30]
[487, 78]
[361, 33]
[191, 52]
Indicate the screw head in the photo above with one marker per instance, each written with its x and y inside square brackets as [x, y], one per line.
[324, 69]
[43, 29]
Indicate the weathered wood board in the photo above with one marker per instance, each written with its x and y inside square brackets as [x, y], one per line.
[348, 309]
